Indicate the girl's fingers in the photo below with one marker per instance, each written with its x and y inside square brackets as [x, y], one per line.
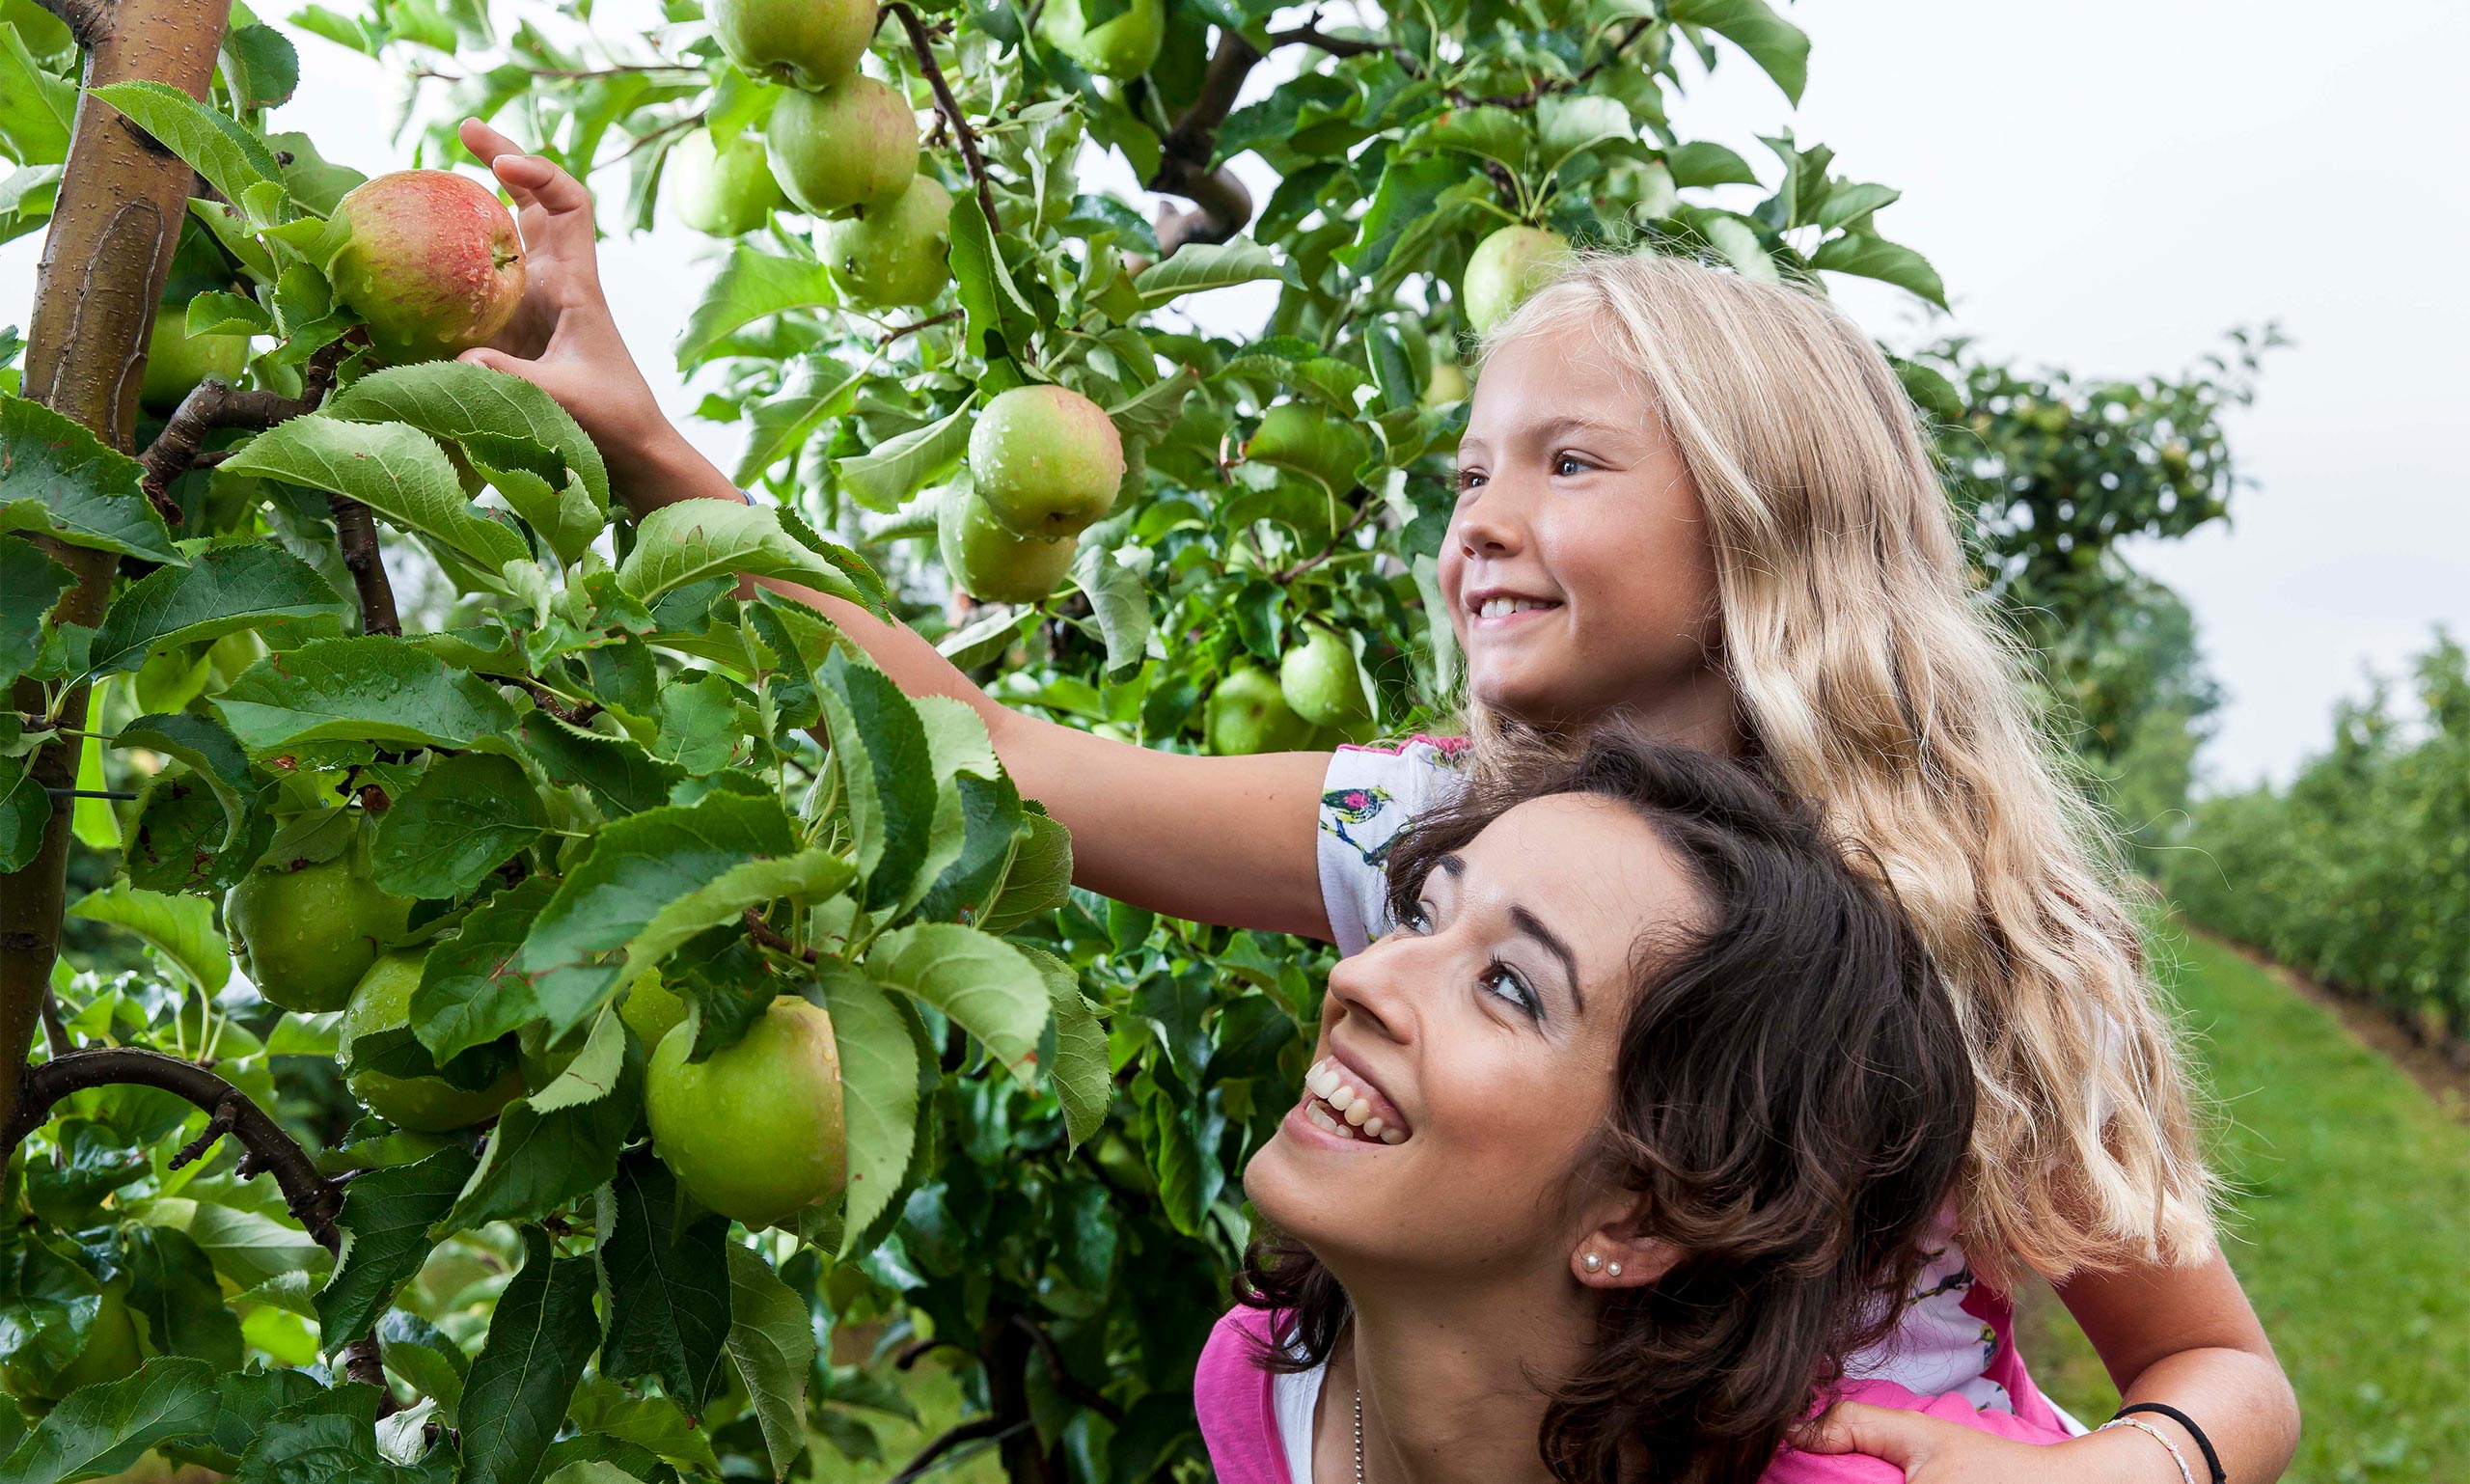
[485, 143]
[1888, 1433]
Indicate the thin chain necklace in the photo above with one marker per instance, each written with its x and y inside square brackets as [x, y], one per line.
[1359, 1435]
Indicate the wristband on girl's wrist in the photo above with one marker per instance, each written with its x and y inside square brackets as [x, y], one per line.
[2212, 1459]
[2186, 1475]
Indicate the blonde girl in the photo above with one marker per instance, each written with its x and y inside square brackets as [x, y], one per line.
[1703, 505]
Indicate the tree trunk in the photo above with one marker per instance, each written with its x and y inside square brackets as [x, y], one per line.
[105, 258]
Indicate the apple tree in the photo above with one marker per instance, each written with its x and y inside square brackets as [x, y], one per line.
[531, 876]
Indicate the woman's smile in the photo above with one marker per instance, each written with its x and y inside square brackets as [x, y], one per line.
[1342, 1102]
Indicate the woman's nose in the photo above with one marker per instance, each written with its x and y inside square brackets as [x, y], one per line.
[1373, 986]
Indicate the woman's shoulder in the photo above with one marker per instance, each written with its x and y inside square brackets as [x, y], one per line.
[1235, 1400]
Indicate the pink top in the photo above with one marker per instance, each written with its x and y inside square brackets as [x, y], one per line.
[1234, 1398]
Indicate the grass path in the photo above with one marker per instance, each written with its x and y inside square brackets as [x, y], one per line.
[2351, 1227]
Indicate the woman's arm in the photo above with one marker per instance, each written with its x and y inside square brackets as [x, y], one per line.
[2183, 1335]
[1219, 839]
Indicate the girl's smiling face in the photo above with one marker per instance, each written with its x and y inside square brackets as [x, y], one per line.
[1482, 1036]
[1576, 564]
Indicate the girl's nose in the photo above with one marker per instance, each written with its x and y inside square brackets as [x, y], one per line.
[1489, 525]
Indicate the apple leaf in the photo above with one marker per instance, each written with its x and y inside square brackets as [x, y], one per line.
[38, 109]
[668, 1284]
[25, 811]
[542, 1334]
[386, 1218]
[986, 985]
[812, 875]
[182, 928]
[30, 584]
[232, 585]
[556, 1147]
[1570, 124]
[465, 817]
[772, 1340]
[103, 1429]
[816, 387]
[59, 479]
[472, 990]
[618, 773]
[173, 1287]
[880, 748]
[1773, 42]
[878, 1088]
[751, 286]
[232, 159]
[461, 401]
[1199, 266]
[1080, 1074]
[395, 470]
[1887, 261]
[899, 467]
[369, 689]
[637, 866]
[693, 539]
[1039, 879]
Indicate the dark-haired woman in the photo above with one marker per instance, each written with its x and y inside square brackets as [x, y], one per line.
[1608, 1156]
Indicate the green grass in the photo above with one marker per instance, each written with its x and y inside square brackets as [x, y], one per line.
[2351, 1228]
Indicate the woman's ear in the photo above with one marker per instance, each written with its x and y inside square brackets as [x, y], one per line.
[1620, 1253]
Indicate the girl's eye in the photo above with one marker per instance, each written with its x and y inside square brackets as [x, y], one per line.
[1501, 980]
[1565, 465]
[1469, 479]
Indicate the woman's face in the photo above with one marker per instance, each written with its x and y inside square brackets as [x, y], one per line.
[1576, 565]
[1481, 1034]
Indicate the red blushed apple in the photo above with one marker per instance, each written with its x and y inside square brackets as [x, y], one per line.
[433, 265]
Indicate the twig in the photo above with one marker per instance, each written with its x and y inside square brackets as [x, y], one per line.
[770, 937]
[55, 1030]
[981, 1427]
[1223, 204]
[215, 404]
[1364, 512]
[660, 133]
[914, 326]
[1309, 33]
[950, 109]
[218, 1124]
[916, 1350]
[1544, 89]
[356, 532]
[549, 701]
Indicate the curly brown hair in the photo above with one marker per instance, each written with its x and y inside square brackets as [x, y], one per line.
[1792, 1103]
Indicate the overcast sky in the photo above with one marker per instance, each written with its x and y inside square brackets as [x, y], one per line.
[2106, 186]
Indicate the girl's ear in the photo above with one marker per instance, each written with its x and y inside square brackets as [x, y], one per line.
[1620, 1253]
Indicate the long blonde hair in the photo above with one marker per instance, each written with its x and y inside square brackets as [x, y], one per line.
[1871, 679]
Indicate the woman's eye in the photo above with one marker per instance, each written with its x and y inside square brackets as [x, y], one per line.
[1501, 980]
[1417, 919]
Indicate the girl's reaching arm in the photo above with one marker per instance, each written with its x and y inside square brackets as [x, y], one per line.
[2185, 1336]
[1220, 839]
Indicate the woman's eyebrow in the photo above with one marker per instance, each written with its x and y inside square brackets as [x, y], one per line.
[1529, 924]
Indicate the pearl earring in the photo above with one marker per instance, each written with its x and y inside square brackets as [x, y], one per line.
[1593, 1263]
[1614, 1270]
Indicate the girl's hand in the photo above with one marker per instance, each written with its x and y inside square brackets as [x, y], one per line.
[562, 338]
[1933, 1450]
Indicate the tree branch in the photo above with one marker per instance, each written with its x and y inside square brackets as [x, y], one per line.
[1223, 204]
[1338, 540]
[981, 1427]
[88, 20]
[356, 532]
[1070, 1388]
[949, 107]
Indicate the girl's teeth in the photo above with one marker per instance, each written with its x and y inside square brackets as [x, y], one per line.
[1372, 1128]
[1321, 1082]
[1503, 607]
[1360, 1112]
[1393, 1136]
[1342, 1099]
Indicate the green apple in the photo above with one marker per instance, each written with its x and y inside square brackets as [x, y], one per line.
[176, 361]
[721, 190]
[854, 144]
[894, 252]
[427, 1105]
[1312, 440]
[1046, 460]
[1247, 713]
[1506, 268]
[1120, 49]
[434, 263]
[305, 935]
[112, 1350]
[756, 1131]
[806, 44]
[1447, 385]
[1319, 680]
[651, 1008]
[992, 565]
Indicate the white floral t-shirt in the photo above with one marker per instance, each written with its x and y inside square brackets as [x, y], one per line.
[1953, 1329]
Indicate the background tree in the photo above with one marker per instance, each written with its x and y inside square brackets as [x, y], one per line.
[589, 762]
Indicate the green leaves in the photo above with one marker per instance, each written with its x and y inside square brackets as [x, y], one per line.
[880, 750]
[472, 404]
[987, 986]
[234, 160]
[693, 539]
[466, 816]
[229, 586]
[753, 284]
[553, 1148]
[369, 689]
[386, 1218]
[668, 1284]
[540, 1337]
[1888, 262]
[182, 928]
[1198, 267]
[1773, 42]
[100, 1430]
[55, 477]
[774, 1347]
[395, 470]
[891, 471]
[879, 1090]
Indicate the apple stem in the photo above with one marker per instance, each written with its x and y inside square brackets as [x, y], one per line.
[950, 109]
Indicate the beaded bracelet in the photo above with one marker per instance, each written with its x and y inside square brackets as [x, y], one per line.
[2186, 1475]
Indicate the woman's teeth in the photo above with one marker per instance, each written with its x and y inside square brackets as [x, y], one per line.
[1337, 1106]
[1503, 607]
